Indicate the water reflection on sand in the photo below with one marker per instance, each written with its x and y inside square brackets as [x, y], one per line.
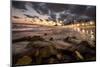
[87, 33]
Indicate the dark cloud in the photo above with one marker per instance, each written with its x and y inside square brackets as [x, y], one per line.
[18, 4]
[64, 12]
[28, 16]
[41, 9]
[78, 9]
[91, 11]
[57, 7]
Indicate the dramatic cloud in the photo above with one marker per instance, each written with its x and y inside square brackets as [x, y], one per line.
[52, 11]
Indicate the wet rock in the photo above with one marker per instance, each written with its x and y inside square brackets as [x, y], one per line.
[73, 37]
[29, 38]
[24, 60]
[72, 40]
[66, 39]
[59, 56]
[37, 38]
[45, 34]
[51, 39]
[83, 46]
[52, 60]
[86, 50]
[65, 55]
[43, 49]
[79, 56]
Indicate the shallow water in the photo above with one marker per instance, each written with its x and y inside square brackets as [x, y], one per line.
[55, 32]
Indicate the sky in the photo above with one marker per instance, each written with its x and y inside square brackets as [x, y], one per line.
[53, 11]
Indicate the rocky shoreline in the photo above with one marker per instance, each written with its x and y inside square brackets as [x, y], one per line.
[41, 51]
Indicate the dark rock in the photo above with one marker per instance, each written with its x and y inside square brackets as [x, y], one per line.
[73, 37]
[29, 38]
[86, 50]
[67, 39]
[45, 34]
[51, 39]
[42, 49]
[24, 60]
